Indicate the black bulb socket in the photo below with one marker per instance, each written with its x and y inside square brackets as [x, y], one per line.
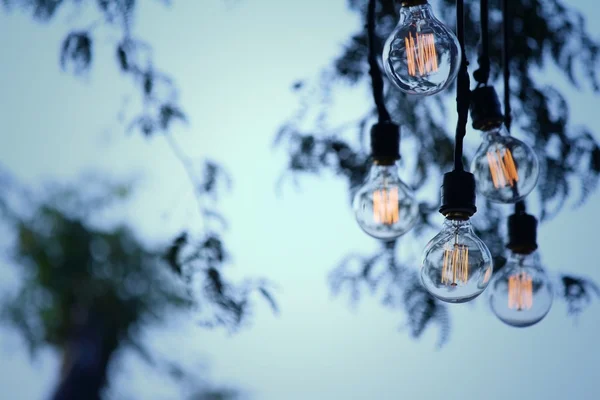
[458, 195]
[522, 233]
[486, 112]
[412, 3]
[385, 143]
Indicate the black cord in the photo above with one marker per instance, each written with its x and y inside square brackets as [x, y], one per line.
[520, 206]
[374, 70]
[506, 59]
[482, 75]
[463, 88]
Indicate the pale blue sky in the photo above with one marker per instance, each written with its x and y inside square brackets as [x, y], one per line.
[234, 63]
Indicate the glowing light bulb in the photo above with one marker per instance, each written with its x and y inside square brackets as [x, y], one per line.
[506, 169]
[521, 294]
[421, 56]
[385, 207]
[457, 265]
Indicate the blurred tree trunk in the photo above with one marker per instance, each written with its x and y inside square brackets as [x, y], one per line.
[86, 356]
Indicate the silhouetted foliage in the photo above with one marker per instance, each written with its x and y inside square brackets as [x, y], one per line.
[200, 264]
[217, 395]
[401, 289]
[76, 52]
[133, 56]
[578, 293]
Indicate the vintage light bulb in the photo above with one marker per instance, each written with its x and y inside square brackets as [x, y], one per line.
[385, 207]
[506, 169]
[457, 265]
[421, 56]
[521, 293]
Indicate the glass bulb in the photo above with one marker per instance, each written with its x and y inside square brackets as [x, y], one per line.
[385, 207]
[457, 265]
[506, 169]
[521, 294]
[421, 56]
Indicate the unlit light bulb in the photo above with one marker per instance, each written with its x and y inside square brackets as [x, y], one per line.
[521, 294]
[385, 207]
[457, 265]
[421, 56]
[506, 169]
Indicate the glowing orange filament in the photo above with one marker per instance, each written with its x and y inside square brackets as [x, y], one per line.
[456, 265]
[520, 291]
[385, 206]
[503, 168]
[421, 55]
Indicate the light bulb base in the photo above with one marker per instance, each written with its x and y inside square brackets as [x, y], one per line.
[522, 233]
[486, 111]
[412, 3]
[385, 143]
[458, 195]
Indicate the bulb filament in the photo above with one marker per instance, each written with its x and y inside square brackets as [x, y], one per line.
[456, 265]
[421, 55]
[503, 168]
[385, 206]
[520, 291]
[487, 276]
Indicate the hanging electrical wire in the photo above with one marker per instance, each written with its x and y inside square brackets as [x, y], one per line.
[482, 74]
[463, 90]
[457, 265]
[384, 206]
[521, 294]
[506, 62]
[505, 168]
[374, 71]
[520, 206]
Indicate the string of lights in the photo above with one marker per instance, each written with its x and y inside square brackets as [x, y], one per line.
[457, 265]
[384, 206]
[422, 57]
[521, 294]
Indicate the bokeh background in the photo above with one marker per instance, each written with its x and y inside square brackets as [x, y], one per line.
[243, 69]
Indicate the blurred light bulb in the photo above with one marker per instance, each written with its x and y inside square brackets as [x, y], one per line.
[506, 169]
[421, 56]
[457, 265]
[521, 294]
[385, 207]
